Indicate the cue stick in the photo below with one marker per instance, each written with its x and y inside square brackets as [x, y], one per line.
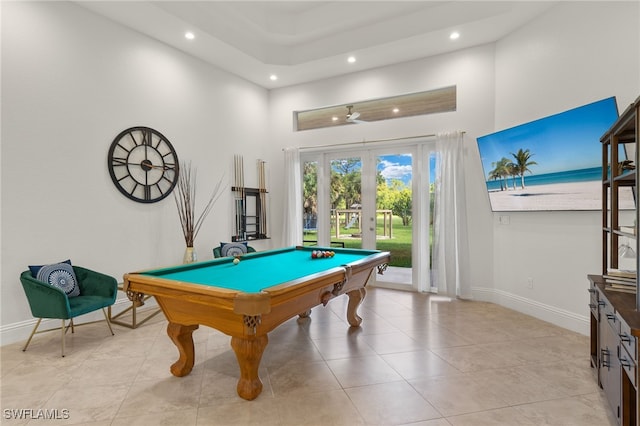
[263, 197]
[242, 232]
[258, 164]
[239, 206]
[235, 189]
[237, 193]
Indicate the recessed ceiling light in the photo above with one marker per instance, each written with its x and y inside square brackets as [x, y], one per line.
[334, 118]
[396, 110]
[273, 77]
[454, 35]
[189, 35]
[351, 59]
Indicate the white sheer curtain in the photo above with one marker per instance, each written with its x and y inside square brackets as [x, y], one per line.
[292, 226]
[450, 240]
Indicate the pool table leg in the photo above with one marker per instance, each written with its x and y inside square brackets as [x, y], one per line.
[181, 335]
[355, 299]
[305, 314]
[249, 353]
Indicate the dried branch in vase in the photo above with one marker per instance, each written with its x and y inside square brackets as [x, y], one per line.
[185, 197]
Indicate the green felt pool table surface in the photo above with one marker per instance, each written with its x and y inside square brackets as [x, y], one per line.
[261, 270]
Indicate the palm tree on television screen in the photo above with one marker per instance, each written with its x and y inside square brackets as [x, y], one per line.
[523, 162]
[501, 171]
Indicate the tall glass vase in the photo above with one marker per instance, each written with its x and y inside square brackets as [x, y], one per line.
[190, 255]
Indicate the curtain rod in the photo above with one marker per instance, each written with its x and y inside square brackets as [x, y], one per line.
[364, 142]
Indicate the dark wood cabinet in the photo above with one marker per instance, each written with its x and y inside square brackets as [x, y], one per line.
[614, 348]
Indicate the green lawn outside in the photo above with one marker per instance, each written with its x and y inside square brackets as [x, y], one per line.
[399, 245]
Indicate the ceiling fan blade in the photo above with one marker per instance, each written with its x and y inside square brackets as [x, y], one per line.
[353, 115]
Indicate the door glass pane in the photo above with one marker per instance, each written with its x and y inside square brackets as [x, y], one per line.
[310, 202]
[346, 202]
[434, 161]
[394, 201]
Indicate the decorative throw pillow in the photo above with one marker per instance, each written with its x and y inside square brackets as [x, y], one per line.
[60, 275]
[232, 249]
[35, 268]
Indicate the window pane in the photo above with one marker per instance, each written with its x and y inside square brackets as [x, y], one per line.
[310, 202]
[346, 202]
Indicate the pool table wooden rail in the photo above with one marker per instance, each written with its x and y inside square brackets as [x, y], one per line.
[189, 303]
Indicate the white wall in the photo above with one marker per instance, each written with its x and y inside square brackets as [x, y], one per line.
[577, 53]
[71, 81]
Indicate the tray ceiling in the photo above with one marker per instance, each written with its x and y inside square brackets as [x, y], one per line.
[302, 41]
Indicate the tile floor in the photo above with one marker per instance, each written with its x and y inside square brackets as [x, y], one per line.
[416, 360]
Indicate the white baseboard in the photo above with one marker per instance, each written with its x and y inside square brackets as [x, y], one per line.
[19, 331]
[560, 317]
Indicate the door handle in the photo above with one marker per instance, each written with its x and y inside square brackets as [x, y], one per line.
[604, 362]
[625, 363]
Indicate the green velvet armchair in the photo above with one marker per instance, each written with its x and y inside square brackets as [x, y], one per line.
[97, 291]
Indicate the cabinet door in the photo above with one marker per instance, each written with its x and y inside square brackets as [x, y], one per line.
[609, 362]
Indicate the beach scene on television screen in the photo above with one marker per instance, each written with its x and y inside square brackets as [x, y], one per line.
[554, 163]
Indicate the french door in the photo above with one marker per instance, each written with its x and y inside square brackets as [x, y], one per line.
[373, 199]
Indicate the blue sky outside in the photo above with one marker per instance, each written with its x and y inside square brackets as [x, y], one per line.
[396, 167]
[566, 141]
[400, 166]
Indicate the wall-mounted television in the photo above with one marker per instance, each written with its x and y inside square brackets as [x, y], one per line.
[553, 163]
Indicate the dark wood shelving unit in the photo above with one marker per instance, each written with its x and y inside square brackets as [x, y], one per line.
[615, 312]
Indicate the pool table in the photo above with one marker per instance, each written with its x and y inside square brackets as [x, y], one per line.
[249, 298]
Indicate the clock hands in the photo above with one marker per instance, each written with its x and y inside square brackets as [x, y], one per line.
[146, 165]
[163, 167]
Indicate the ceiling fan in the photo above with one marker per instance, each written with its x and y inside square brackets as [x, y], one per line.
[352, 116]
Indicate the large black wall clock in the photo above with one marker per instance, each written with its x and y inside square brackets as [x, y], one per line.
[143, 164]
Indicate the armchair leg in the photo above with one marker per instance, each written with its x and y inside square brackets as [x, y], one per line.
[68, 326]
[32, 334]
[106, 317]
[64, 331]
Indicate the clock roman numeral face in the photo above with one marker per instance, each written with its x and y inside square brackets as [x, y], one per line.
[143, 164]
